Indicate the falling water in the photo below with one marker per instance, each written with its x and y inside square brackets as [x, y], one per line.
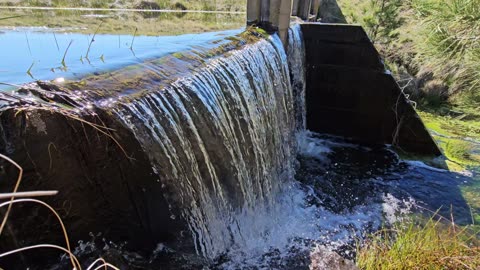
[222, 141]
[296, 62]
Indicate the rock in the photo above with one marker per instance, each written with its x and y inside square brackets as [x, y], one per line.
[148, 5]
[324, 259]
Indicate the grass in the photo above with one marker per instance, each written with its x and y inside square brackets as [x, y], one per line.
[208, 5]
[457, 132]
[451, 47]
[124, 23]
[436, 42]
[431, 245]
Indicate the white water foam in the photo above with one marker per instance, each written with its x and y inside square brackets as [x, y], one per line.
[295, 224]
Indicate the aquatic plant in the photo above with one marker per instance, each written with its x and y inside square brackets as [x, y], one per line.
[435, 244]
[93, 39]
[65, 54]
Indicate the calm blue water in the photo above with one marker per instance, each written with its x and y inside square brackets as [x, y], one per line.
[23, 47]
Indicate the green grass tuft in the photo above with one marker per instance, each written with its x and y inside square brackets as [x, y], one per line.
[432, 245]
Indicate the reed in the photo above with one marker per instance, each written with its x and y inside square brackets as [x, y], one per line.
[93, 39]
[65, 54]
[11, 17]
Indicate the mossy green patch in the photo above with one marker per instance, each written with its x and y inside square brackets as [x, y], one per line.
[461, 151]
[178, 55]
[457, 132]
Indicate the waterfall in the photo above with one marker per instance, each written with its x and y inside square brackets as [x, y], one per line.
[222, 140]
[296, 63]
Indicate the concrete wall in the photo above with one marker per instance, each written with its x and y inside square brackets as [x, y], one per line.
[349, 92]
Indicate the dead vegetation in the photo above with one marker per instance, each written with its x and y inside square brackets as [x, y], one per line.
[28, 197]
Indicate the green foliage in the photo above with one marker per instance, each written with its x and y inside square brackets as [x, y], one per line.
[441, 37]
[456, 134]
[451, 47]
[382, 20]
[461, 152]
[432, 245]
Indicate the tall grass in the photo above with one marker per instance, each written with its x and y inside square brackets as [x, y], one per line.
[451, 47]
[433, 245]
[423, 37]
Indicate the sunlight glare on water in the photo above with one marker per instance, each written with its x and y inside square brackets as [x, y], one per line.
[29, 54]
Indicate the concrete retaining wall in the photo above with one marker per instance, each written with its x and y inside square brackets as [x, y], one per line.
[349, 92]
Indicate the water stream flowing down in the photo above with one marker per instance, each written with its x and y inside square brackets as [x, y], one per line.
[222, 140]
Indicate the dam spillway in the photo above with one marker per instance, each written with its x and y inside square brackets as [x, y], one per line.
[200, 150]
[193, 152]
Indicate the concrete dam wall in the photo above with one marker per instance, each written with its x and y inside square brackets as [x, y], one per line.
[177, 150]
[190, 149]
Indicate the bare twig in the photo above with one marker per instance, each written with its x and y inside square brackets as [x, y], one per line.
[74, 259]
[65, 234]
[104, 264]
[107, 265]
[28, 194]
[15, 189]
[28, 44]
[50, 155]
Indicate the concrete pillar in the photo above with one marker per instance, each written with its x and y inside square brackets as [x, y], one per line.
[253, 11]
[295, 6]
[284, 19]
[304, 9]
[314, 7]
[271, 15]
[267, 11]
[301, 8]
